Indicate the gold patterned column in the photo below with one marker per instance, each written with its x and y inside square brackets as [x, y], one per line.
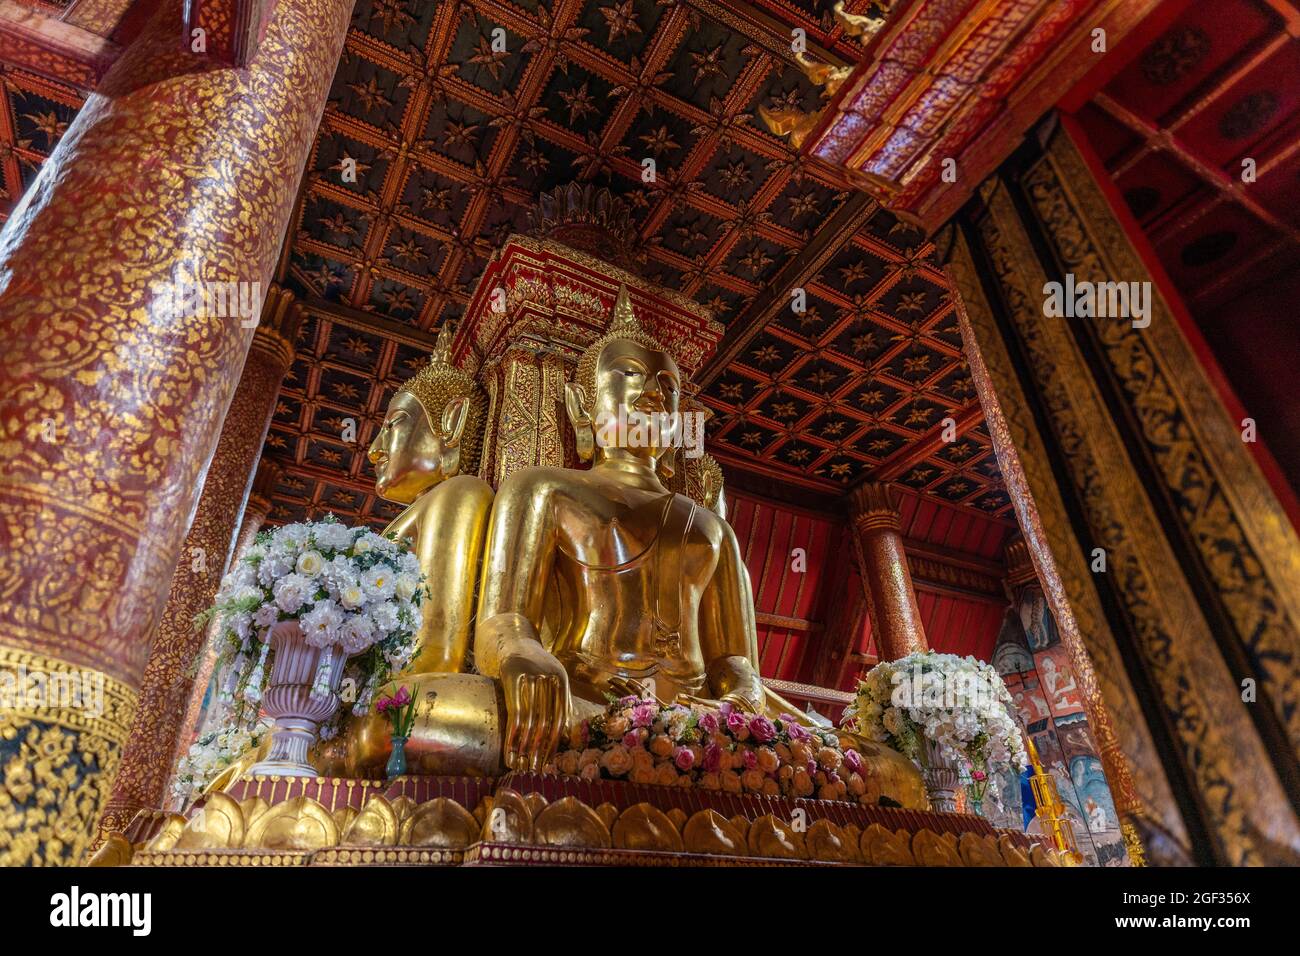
[886, 580]
[128, 276]
[1129, 756]
[168, 675]
[1235, 803]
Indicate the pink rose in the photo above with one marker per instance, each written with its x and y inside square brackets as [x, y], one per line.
[712, 759]
[749, 759]
[738, 725]
[644, 713]
[684, 759]
[853, 760]
[762, 729]
[709, 723]
[796, 730]
[978, 775]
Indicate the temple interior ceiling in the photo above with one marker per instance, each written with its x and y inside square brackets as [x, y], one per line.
[453, 141]
[1174, 128]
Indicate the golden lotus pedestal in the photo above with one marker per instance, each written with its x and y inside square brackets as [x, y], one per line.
[525, 818]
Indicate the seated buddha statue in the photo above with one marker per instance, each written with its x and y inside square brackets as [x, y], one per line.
[429, 436]
[602, 581]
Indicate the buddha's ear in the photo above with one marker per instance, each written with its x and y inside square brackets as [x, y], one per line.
[454, 416]
[668, 462]
[575, 403]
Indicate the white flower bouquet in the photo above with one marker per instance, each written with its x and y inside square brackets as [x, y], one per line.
[940, 707]
[348, 588]
[209, 756]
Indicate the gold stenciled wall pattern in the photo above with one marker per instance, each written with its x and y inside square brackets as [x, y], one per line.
[111, 399]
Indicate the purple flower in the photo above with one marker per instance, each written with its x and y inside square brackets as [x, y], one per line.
[738, 725]
[811, 767]
[853, 760]
[709, 723]
[750, 758]
[633, 739]
[684, 759]
[795, 729]
[762, 729]
[644, 713]
[725, 708]
[712, 758]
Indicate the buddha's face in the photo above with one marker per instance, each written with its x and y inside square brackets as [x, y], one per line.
[409, 454]
[636, 379]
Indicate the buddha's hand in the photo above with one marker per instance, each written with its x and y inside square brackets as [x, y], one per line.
[536, 689]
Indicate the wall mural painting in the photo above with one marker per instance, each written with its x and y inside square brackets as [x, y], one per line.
[1036, 668]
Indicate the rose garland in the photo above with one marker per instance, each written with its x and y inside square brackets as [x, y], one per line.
[643, 741]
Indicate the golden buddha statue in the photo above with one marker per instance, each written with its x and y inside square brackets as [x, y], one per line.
[602, 582]
[429, 436]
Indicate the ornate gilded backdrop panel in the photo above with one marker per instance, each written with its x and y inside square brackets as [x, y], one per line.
[1128, 753]
[1245, 545]
[1249, 823]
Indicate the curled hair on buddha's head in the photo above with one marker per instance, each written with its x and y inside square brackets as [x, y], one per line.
[438, 384]
[624, 326]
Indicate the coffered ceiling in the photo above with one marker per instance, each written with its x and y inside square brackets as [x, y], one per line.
[453, 136]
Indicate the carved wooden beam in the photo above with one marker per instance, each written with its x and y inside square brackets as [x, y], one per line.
[833, 235]
[35, 41]
[371, 322]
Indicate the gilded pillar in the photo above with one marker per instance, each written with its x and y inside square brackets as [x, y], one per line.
[886, 579]
[130, 275]
[169, 673]
[1163, 526]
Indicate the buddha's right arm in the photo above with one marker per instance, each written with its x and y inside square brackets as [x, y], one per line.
[516, 566]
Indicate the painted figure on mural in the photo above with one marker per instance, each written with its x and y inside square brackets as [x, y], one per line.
[1058, 683]
[1036, 617]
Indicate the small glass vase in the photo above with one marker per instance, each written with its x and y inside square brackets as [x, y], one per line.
[397, 759]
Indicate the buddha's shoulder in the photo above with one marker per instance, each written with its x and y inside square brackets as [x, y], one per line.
[707, 521]
[456, 492]
[542, 479]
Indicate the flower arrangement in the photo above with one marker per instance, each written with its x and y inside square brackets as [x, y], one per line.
[930, 706]
[209, 755]
[644, 741]
[400, 711]
[345, 586]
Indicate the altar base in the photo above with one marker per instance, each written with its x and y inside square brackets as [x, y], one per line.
[524, 819]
